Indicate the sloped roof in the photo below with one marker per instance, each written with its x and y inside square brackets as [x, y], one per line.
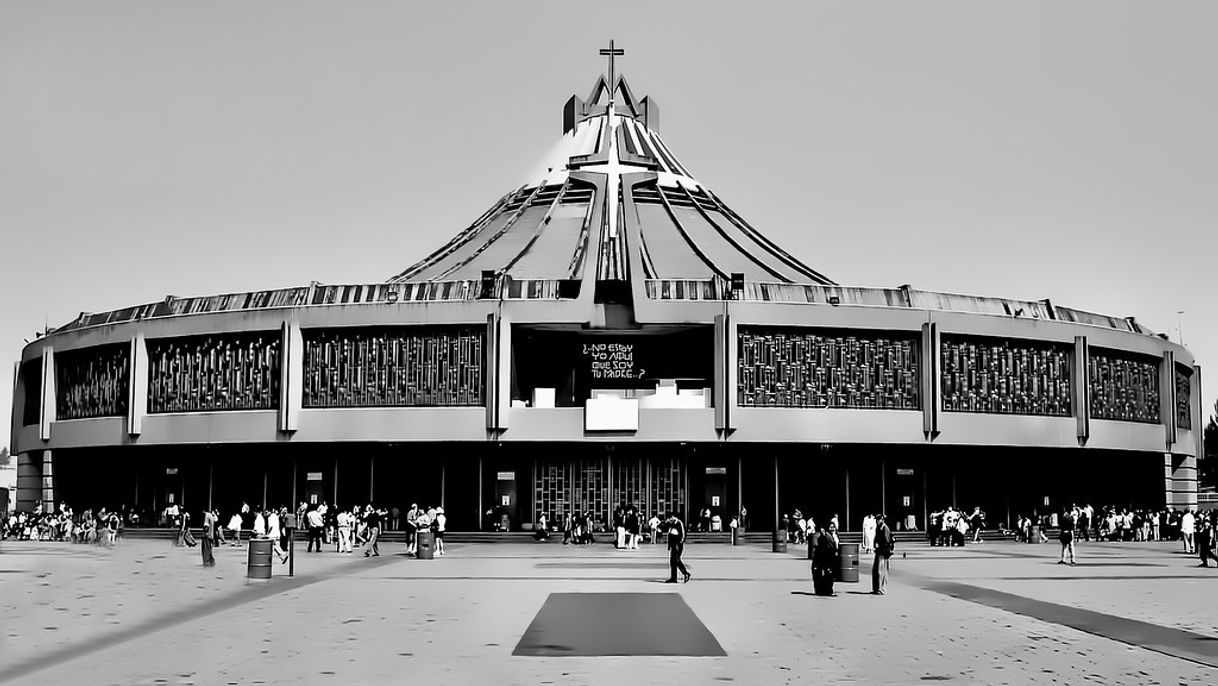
[610, 168]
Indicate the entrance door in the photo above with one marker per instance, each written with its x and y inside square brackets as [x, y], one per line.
[908, 501]
[715, 498]
[506, 508]
[315, 492]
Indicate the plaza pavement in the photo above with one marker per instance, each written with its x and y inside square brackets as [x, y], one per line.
[997, 613]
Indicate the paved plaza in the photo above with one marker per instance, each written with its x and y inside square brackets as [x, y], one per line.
[996, 613]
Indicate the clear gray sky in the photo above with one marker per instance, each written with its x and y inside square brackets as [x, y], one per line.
[1025, 150]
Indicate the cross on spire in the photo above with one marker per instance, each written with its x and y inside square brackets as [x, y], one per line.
[611, 52]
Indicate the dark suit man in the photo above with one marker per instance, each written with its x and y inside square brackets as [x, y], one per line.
[676, 545]
[884, 546]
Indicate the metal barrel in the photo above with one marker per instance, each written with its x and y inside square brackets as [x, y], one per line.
[780, 541]
[849, 568]
[426, 549]
[259, 559]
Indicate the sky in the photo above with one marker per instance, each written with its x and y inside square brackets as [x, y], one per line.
[1025, 150]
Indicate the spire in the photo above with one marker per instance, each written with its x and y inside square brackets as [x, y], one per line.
[612, 52]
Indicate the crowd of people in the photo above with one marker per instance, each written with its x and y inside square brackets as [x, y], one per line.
[628, 525]
[101, 526]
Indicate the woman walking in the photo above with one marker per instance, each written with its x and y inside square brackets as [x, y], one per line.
[209, 538]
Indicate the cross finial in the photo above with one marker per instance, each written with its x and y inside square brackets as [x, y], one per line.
[611, 52]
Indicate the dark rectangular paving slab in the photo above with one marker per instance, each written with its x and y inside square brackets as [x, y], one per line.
[617, 624]
[603, 565]
[1175, 642]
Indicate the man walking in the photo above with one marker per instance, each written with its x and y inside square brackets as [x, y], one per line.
[676, 545]
[884, 546]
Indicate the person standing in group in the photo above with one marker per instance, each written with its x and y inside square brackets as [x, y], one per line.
[441, 525]
[885, 544]
[676, 546]
[209, 537]
[1188, 528]
[344, 531]
[412, 539]
[868, 534]
[1067, 538]
[112, 523]
[568, 529]
[315, 522]
[260, 524]
[825, 561]
[1205, 539]
[234, 526]
[373, 521]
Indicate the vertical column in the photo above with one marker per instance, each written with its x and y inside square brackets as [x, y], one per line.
[29, 481]
[211, 474]
[335, 501]
[1080, 388]
[930, 380]
[884, 489]
[1183, 481]
[48, 482]
[740, 488]
[444, 479]
[18, 403]
[46, 416]
[1167, 397]
[1199, 423]
[498, 371]
[137, 385]
[777, 506]
[291, 377]
[371, 476]
[1169, 483]
[725, 371]
[846, 522]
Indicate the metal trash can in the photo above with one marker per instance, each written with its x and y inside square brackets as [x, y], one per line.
[848, 571]
[737, 536]
[259, 559]
[1034, 534]
[780, 541]
[426, 546]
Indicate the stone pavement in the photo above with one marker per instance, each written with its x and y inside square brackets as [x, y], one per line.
[998, 613]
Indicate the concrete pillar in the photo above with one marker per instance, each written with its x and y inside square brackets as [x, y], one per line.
[884, 491]
[29, 481]
[1167, 398]
[930, 382]
[846, 522]
[498, 372]
[1081, 390]
[1183, 486]
[137, 385]
[291, 377]
[47, 414]
[48, 482]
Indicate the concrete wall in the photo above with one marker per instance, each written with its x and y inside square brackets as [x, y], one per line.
[746, 424]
